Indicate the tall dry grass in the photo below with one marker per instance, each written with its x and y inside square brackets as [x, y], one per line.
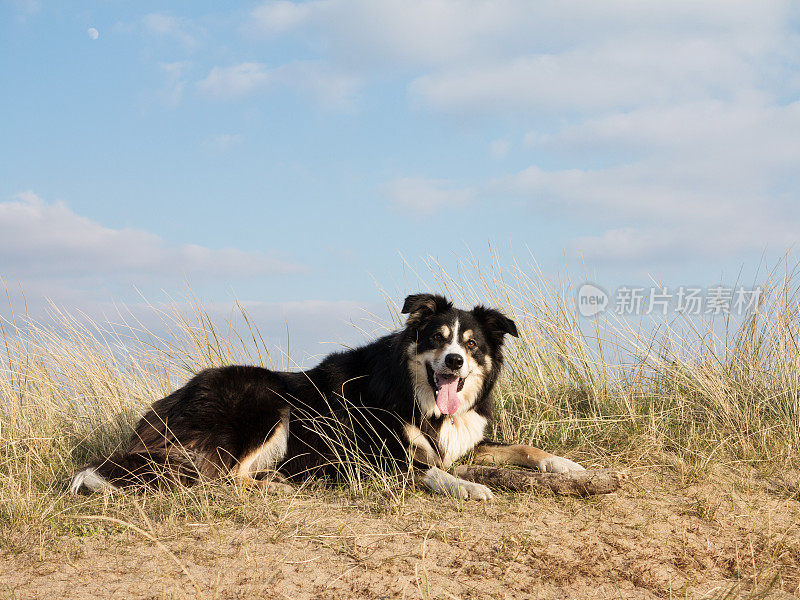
[680, 391]
[700, 389]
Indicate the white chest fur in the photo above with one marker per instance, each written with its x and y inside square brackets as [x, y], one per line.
[459, 436]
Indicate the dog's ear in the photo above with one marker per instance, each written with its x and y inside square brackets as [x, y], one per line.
[419, 307]
[495, 322]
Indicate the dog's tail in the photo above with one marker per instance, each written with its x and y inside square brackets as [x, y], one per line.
[135, 470]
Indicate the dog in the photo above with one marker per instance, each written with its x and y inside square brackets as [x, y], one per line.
[420, 397]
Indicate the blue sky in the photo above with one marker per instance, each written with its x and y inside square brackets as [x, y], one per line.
[290, 153]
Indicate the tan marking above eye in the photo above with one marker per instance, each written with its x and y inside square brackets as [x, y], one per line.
[445, 330]
[466, 337]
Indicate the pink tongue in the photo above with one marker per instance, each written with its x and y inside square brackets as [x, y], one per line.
[447, 398]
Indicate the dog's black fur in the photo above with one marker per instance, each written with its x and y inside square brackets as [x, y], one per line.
[223, 417]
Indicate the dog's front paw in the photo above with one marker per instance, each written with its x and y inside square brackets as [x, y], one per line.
[444, 483]
[475, 491]
[558, 464]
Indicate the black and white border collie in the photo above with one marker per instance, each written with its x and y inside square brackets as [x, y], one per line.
[419, 396]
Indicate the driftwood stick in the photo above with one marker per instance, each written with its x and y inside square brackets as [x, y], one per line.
[573, 483]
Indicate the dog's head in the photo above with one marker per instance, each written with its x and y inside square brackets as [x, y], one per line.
[453, 355]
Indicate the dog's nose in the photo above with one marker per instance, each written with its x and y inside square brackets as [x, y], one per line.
[453, 361]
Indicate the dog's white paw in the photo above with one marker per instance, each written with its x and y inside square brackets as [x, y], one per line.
[442, 482]
[476, 491]
[558, 464]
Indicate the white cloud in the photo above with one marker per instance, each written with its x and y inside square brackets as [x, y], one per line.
[307, 78]
[436, 33]
[49, 253]
[620, 74]
[425, 196]
[279, 16]
[703, 179]
[661, 210]
[689, 241]
[658, 120]
[634, 191]
[526, 54]
[752, 129]
[235, 81]
[365, 32]
[626, 245]
[169, 26]
[40, 239]
[514, 55]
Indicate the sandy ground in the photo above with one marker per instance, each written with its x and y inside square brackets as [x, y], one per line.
[660, 537]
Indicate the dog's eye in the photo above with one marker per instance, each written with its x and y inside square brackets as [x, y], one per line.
[438, 337]
[472, 344]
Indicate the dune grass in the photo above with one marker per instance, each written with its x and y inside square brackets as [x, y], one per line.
[702, 390]
[685, 394]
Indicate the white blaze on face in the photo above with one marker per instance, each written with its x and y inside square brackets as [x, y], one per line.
[452, 348]
[448, 380]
